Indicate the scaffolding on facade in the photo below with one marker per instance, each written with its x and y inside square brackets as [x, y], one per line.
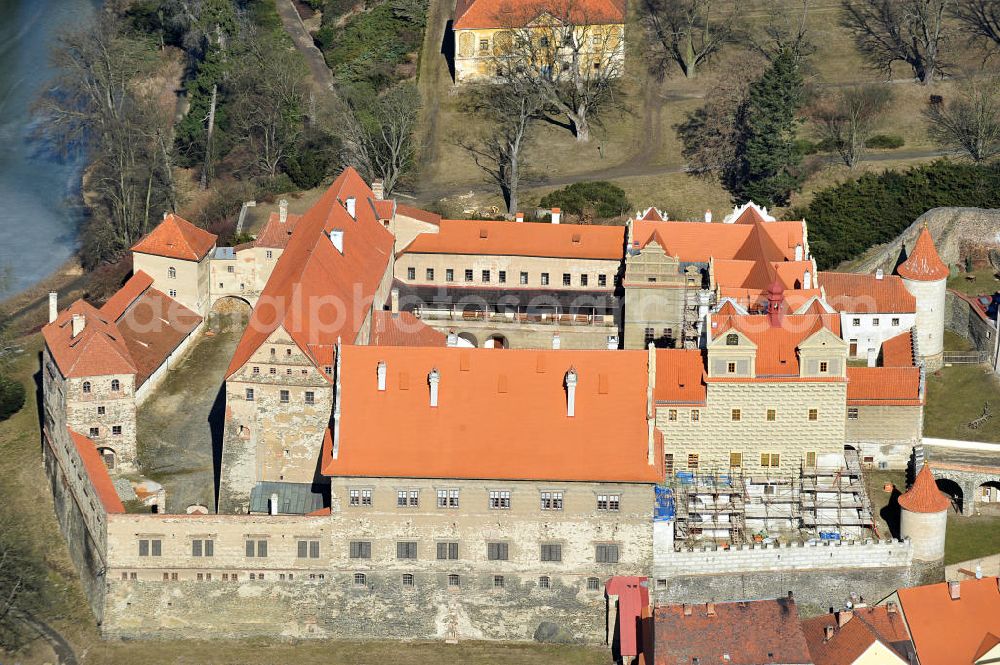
[738, 507]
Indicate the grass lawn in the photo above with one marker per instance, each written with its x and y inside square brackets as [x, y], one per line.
[884, 503]
[984, 283]
[971, 537]
[955, 396]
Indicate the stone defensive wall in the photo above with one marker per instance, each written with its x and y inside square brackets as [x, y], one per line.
[962, 317]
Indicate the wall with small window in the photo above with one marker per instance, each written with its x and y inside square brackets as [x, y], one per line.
[103, 408]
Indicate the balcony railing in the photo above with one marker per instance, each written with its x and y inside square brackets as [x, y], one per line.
[526, 318]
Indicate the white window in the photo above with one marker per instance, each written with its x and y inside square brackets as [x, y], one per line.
[855, 322]
[608, 501]
[552, 500]
[895, 321]
[447, 498]
[360, 497]
[852, 413]
[173, 293]
[171, 273]
[405, 498]
[500, 499]
[269, 254]
[875, 322]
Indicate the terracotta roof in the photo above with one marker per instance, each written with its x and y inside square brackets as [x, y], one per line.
[866, 626]
[680, 376]
[315, 293]
[990, 642]
[946, 631]
[276, 234]
[698, 241]
[570, 241]
[126, 295]
[633, 599]
[863, 294]
[177, 238]
[924, 496]
[501, 415]
[403, 329]
[883, 386]
[418, 214]
[898, 351]
[739, 633]
[472, 14]
[777, 353]
[153, 326]
[652, 215]
[98, 350]
[97, 471]
[924, 263]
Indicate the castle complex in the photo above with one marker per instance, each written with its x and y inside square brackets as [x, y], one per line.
[469, 426]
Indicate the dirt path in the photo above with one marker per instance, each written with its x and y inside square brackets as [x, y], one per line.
[433, 81]
[290, 19]
[632, 169]
[63, 650]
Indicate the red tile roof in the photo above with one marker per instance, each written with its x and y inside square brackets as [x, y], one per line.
[403, 329]
[501, 415]
[97, 471]
[883, 386]
[633, 598]
[473, 14]
[866, 626]
[570, 241]
[699, 241]
[924, 263]
[862, 294]
[946, 631]
[126, 295]
[316, 293]
[276, 234]
[777, 346]
[99, 350]
[153, 326]
[680, 376]
[898, 351]
[924, 496]
[177, 238]
[740, 633]
[418, 214]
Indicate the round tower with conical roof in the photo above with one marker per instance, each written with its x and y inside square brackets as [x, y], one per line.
[923, 517]
[925, 276]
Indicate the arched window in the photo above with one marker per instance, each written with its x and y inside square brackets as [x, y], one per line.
[172, 272]
[732, 339]
[115, 385]
[86, 386]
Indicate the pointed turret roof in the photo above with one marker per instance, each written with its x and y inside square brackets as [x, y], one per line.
[924, 264]
[924, 496]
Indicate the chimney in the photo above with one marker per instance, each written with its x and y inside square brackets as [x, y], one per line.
[380, 373]
[452, 338]
[519, 217]
[352, 207]
[571, 393]
[378, 189]
[283, 211]
[53, 306]
[710, 609]
[394, 301]
[828, 632]
[556, 342]
[798, 252]
[687, 610]
[954, 590]
[556, 215]
[273, 504]
[337, 238]
[434, 378]
[843, 616]
[708, 216]
[807, 280]
[872, 357]
[979, 571]
[79, 323]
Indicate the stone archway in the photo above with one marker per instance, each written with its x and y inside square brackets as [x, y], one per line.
[988, 496]
[954, 491]
[108, 456]
[469, 339]
[229, 311]
[496, 341]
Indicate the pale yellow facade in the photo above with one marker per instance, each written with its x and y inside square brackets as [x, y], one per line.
[519, 272]
[187, 282]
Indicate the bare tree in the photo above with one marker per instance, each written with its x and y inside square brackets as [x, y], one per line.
[910, 31]
[378, 134]
[572, 57]
[969, 123]
[847, 118]
[784, 31]
[690, 32]
[980, 21]
[511, 106]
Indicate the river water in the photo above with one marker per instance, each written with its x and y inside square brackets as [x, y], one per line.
[39, 191]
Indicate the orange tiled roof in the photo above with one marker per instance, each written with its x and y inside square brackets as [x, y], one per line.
[153, 326]
[501, 415]
[570, 241]
[126, 295]
[99, 350]
[680, 376]
[418, 214]
[946, 631]
[97, 471]
[883, 386]
[898, 351]
[776, 345]
[698, 241]
[403, 329]
[473, 14]
[850, 292]
[316, 293]
[748, 632]
[275, 234]
[924, 263]
[850, 641]
[177, 238]
[924, 496]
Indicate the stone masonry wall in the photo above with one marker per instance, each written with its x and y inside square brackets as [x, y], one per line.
[962, 318]
[82, 413]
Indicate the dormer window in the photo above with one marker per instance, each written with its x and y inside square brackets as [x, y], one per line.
[732, 339]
